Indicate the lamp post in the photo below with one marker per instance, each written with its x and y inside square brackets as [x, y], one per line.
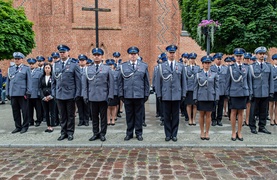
[208, 34]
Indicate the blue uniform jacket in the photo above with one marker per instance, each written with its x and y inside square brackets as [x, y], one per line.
[134, 83]
[262, 79]
[206, 88]
[66, 82]
[19, 82]
[98, 85]
[171, 85]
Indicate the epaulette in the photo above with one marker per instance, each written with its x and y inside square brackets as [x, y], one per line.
[57, 61]
[268, 63]
[232, 65]
[246, 64]
[12, 65]
[25, 65]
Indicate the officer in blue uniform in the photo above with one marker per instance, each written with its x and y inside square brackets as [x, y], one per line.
[191, 70]
[171, 90]
[35, 101]
[40, 60]
[205, 94]
[238, 89]
[97, 90]
[221, 71]
[56, 57]
[134, 91]
[66, 88]
[273, 100]
[18, 90]
[263, 88]
[50, 60]
[118, 61]
[83, 109]
[159, 108]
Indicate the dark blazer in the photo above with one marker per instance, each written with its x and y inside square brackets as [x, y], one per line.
[45, 89]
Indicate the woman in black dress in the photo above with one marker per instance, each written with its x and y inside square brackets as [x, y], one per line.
[48, 103]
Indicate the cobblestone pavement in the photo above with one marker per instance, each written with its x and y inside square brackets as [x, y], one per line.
[38, 155]
[138, 163]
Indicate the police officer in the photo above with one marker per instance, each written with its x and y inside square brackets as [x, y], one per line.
[191, 70]
[238, 89]
[35, 101]
[205, 94]
[97, 88]
[273, 101]
[56, 57]
[222, 75]
[171, 89]
[118, 61]
[40, 60]
[18, 90]
[134, 91]
[66, 88]
[263, 88]
[83, 109]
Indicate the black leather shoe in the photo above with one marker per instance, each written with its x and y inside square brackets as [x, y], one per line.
[241, 139]
[187, 119]
[70, 137]
[80, 124]
[144, 124]
[102, 138]
[93, 138]
[219, 123]
[233, 139]
[254, 131]
[127, 138]
[37, 124]
[162, 123]
[86, 123]
[23, 130]
[157, 115]
[62, 137]
[213, 122]
[47, 130]
[182, 115]
[264, 130]
[16, 130]
[119, 115]
[140, 138]
[167, 139]
[174, 139]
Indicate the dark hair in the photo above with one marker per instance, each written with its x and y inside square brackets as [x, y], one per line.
[46, 64]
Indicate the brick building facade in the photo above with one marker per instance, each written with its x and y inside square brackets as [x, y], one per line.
[150, 25]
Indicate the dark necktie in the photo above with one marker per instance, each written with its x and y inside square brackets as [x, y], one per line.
[17, 67]
[239, 67]
[261, 65]
[171, 66]
[62, 65]
[192, 68]
[82, 69]
[97, 66]
[133, 66]
[218, 69]
[206, 74]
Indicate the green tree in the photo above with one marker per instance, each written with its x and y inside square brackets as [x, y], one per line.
[244, 23]
[16, 33]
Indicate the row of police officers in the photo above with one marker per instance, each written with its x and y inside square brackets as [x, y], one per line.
[175, 84]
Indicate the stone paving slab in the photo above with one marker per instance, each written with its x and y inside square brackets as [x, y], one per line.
[153, 134]
[138, 163]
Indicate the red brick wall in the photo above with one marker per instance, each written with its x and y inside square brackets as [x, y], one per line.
[151, 25]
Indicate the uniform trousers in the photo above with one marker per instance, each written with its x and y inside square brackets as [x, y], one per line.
[134, 115]
[35, 103]
[83, 111]
[97, 108]
[20, 105]
[158, 105]
[56, 111]
[67, 112]
[261, 105]
[217, 114]
[171, 118]
[49, 110]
